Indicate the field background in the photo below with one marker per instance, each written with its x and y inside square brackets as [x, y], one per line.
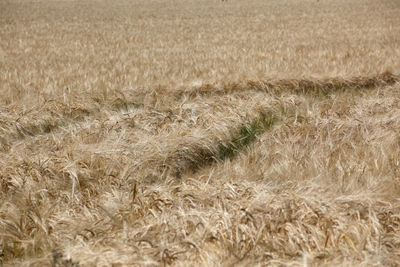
[201, 133]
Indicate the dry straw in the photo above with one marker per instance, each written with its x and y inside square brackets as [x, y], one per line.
[199, 133]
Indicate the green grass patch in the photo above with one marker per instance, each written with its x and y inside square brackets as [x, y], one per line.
[246, 135]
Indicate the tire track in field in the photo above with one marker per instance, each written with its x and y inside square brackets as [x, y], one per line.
[11, 130]
[15, 127]
[192, 157]
[295, 86]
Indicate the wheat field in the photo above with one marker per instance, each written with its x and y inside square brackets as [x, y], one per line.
[199, 133]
